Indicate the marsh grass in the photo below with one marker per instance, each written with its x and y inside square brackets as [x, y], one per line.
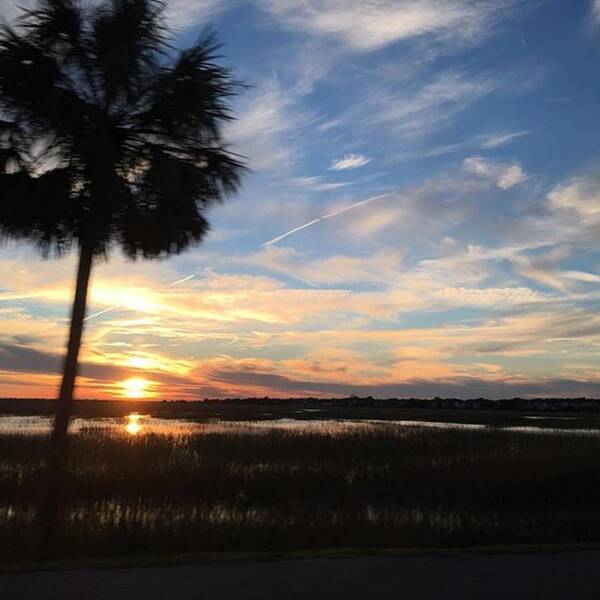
[241, 488]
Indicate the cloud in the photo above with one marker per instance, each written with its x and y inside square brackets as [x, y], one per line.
[263, 131]
[408, 107]
[595, 11]
[545, 269]
[184, 14]
[318, 184]
[218, 303]
[27, 371]
[424, 107]
[365, 25]
[579, 198]
[501, 138]
[9, 9]
[375, 221]
[420, 287]
[380, 267]
[462, 387]
[512, 176]
[465, 360]
[16, 357]
[251, 318]
[471, 358]
[423, 214]
[490, 297]
[541, 334]
[481, 141]
[349, 161]
[505, 176]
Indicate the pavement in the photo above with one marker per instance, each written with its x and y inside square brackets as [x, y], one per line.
[567, 575]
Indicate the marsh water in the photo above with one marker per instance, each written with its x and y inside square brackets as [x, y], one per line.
[305, 480]
[136, 424]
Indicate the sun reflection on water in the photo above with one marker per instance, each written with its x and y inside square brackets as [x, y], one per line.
[133, 425]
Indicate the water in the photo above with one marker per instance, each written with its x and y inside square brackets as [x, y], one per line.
[132, 424]
[137, 424]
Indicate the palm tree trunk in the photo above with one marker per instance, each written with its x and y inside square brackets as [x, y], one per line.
[57, 459]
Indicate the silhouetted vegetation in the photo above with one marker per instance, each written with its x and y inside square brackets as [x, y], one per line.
[239, 487]
[178, 407]
[108, 138]
[557, 412]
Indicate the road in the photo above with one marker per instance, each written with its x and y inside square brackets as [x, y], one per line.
[568, 575]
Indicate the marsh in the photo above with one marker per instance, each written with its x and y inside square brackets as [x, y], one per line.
[145, 485]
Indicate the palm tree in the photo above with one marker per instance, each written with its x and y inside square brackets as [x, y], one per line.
[108, 137]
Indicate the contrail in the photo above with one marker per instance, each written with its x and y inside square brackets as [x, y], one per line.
[116, 306]
[292, 231]
[179, 281]
[323, 218]
[101, 312]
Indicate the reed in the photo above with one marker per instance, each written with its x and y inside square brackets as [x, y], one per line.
[240, 487]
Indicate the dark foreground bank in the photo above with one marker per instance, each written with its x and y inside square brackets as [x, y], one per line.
[494, 577]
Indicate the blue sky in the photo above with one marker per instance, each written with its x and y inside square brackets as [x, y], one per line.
[443, 158]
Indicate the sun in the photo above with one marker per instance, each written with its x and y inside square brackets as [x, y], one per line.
[136, 387]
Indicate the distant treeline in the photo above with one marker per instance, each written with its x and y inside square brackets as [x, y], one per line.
[551, 405]
[524, 404]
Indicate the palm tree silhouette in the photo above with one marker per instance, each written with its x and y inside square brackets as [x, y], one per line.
[108, 137]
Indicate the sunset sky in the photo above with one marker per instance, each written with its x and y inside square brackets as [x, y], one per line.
[436, 165]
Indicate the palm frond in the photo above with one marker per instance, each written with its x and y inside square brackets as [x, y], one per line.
[34, 89]
[190, 98]
[104, 136]
[55, 25]
[40, 209]
[127, 40]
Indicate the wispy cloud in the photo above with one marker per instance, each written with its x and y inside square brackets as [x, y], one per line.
[421, 106]
[374, 222]
[263, 131]
[448, 360]
[546, 270]
[505, 176]
[9, 9]
[427, 385]
[486, 141]
[490, 297]
[595, 11]
[372, 24]
[579, 197]
[501, 138]
[183, 14]
[349, 161]
[434, 102]
[317, 183]
[379, 267]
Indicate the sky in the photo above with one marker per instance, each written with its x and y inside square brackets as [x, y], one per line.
[422, 217]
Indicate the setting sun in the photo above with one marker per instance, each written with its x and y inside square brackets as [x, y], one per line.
[136, 387]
